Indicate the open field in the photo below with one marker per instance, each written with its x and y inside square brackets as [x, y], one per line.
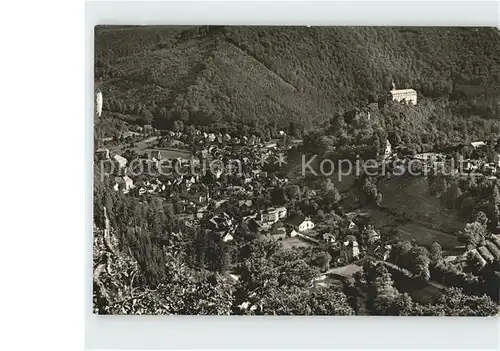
[168, 153]
[409, 230]
[427, 220]
[423, 294]
[290, 243]
[426, 236]
[410, 196]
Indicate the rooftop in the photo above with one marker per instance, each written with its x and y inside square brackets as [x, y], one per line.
[403, 91]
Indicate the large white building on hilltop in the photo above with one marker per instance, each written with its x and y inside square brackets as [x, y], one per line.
[98, 103]
[408, 95]
[403, 95]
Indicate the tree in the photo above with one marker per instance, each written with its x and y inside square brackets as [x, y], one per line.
[178, 126]
[322, 260]
[293, 130]
[147, 116]
[420, 262]
[436, 253]
[190, 132]
[385, 292]
[284, 301]
[399, 253]
[402, 305]
[453, 196]
[370, 190]
[481, 218]
[455, 303]
[293, 192]
[376, 285]
[329, 302]
[333, 195]
[474, 233]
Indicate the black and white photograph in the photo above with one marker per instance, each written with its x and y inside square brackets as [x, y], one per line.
[296, 170]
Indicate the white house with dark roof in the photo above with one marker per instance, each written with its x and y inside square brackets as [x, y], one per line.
[329, 238]
[223, 225]
[301, 223]
[372, 234]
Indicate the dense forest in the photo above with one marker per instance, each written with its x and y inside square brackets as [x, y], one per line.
[269, 76]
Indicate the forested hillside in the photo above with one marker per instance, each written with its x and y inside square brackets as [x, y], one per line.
[264, 76]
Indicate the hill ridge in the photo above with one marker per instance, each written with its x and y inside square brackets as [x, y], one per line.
[330, 70]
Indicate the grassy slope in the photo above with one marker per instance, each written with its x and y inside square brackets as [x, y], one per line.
[411, 195]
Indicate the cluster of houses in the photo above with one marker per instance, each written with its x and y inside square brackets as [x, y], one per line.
[481, 163]
[488, 165]
[274, 223]
[480, 256]
[239, 177]
[211, 203]
[203, 141]
[213, 152]
[205, 203]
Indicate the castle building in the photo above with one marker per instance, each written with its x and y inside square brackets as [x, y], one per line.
[401, 95]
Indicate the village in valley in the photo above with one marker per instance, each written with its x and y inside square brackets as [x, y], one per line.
[233, 184]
